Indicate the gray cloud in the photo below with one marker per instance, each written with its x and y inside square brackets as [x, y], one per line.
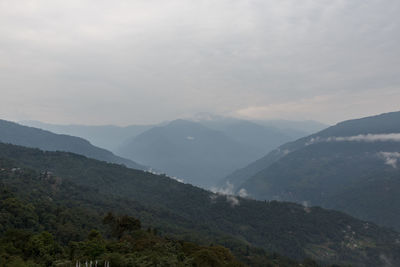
[150, 60]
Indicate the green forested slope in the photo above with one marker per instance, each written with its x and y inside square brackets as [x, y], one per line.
[48, 221]
[380, 124]
[289, 229]
[358, 176]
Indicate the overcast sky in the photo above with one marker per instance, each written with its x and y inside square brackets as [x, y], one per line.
[145, 61]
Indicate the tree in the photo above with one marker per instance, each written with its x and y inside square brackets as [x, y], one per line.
[122, 224]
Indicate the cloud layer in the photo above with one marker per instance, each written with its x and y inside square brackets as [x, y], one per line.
[127, 62]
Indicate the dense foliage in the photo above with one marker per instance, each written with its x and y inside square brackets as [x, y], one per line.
[188, 213]
[48, 221]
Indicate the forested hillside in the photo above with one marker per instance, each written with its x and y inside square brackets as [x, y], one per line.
[49, 221]
[187, 212]
[351, 167]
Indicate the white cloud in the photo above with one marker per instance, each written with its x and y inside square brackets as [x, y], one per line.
[390, 158]
[243, 193]
[392, 137]
[228, 192]
[234, 201]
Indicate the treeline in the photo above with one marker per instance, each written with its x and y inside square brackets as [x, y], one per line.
[131, 246]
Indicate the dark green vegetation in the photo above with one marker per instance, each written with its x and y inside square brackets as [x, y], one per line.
[358, 177]
[49, 221]
[41, 227]
[188, 213]
[17, 134]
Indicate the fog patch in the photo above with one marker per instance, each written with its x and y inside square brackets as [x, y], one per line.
[284, 152]
[392, 137]
[390, 158]
[190, 138]
[243, 193]
[177, 179]
[234, 201]
[226, 191]
[306, 207]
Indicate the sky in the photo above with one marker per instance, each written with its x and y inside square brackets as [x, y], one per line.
[145, 61]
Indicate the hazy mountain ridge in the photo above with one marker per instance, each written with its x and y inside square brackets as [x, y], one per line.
[188, 150]
[261, 138]
[341, 163]
[239, 176]
[291, 229]
[17, 134]
[302, 127]
[109, 137]
[244, 142]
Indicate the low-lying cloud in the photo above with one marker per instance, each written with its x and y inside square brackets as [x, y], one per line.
[391, 137]
[390, 158]
[243, 193]
[228, 192]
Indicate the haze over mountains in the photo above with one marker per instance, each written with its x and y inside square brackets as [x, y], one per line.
[199, 150]
[190, 151]
[17, 134]
[207, 133]
[351, 167]
[109, 137]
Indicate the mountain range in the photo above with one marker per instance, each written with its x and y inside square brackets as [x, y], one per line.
[198, 150]
[351, 167]
[189, 151]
